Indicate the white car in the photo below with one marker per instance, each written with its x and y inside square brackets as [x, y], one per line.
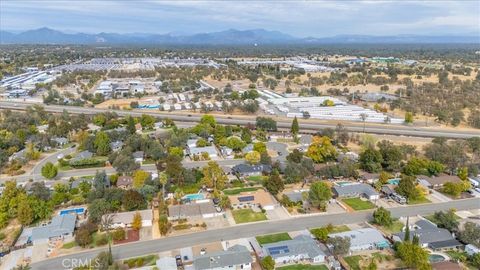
[60, 156]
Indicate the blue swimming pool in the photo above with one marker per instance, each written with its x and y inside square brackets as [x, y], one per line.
[77, 211]
[434, 258]
[194, 197]
[394, 181]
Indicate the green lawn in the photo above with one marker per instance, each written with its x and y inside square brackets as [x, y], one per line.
[69, 245]
[358, 204]
[236, 191]
[272, 238]
[256, 178]
[340, 228]
[304, 267]
[394, 228]
[354, 262]
[247, 215]
[419, 201]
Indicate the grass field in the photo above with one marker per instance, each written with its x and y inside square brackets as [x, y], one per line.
[236, 191]
[354, 262]
[340, 228]
[247, 215]
[419, 201]
[69, 245]
[358, 204]
[272, 238]
[394, 228]
[303, 267]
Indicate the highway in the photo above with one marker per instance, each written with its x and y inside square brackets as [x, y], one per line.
[250, 230]
[36, 176]
[306, 126]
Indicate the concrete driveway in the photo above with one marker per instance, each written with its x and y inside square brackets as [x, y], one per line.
[280, 148]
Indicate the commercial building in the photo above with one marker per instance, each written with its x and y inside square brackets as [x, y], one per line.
[300, 248]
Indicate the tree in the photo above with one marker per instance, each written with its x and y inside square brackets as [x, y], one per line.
[340, 245]
[102, 143]
[267, 263]
[470, 234]
[321, 233]
[213, 176]
[462, 173]
[475, 259]
[295, 127]
[124, 163]
[447, 220]
[163, 224]
[382, 217]
[413, 255]
[370, 160]
[252, 157]
[453, 189]
[319, 194]
[137, 221]
[372, 265]
[49, 170]
[174, 169]
[408, 117]
[235, 143]
[274, 183]
[321, 150]
[208, 119]
[25, 212]
[266, 123]
[133, 200]
[97, 208]
[246, 135]
[139, 178]
[83, 237]
[407, 188]
[147, 121]
[260, 147]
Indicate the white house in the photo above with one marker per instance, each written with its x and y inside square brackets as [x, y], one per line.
[363, 239]
[124, 219]
[236, 257]
[471, 249]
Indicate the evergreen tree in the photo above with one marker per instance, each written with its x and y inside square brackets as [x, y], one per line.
[295, 127]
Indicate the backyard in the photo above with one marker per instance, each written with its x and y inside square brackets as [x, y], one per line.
[353, 261]
[236, 191]
[272, 238]
[358, 204]
[247, 215]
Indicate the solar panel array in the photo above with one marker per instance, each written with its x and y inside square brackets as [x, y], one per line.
[246, 198]
[278, 250]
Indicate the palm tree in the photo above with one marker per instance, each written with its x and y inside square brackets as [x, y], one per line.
[106, 224]
[163, 178]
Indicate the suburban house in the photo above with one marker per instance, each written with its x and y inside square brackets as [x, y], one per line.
[138, 156]
[356, 190]
[226, 151]
[363, 239]
[76, 183]
[61, 226]
[259, 198]
[158, 125]
[430, 236]
[296, 196]
[124, 219]
[192, 149]
[116, 146]
[471, 250]
[300, 248]
[437, 181]
[247, 148]
[251, 170]
[124, 182]
[193, 210]
[235, 257]
[60, 141]
[81, 156]
[20, 155]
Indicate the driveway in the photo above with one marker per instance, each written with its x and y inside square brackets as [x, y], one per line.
[280, 148]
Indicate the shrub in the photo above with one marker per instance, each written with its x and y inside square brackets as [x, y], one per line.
[102, 240]
[118, 234]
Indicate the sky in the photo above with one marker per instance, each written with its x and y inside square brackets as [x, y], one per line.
[297, 18]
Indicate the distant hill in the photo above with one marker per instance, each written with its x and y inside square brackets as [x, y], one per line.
[227, 37]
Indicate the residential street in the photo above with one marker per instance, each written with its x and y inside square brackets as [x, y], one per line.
[249, 230]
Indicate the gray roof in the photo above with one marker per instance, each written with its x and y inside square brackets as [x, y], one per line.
[191, 210]
[76, 182]
[247, 148]
[60, 225]
[127, 217]
[19, 155]
[60, 140]
[167, 263]
[211, 150]
[354, 190]
[294, 196]
[235, 255]
[247, 168]
[305, 139]
[83, 155]
[428, 233]
[138, 154]
[361, 237]
[302, 244]
[116, 145]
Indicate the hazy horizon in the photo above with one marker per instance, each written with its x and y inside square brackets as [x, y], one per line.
[298, 19]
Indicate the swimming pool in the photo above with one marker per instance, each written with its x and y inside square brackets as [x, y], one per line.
[394, 181]
[434, 258]
[342, 184]
[194, 197]
[78, 211]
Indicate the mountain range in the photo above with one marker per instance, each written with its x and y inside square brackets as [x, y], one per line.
[227, 37]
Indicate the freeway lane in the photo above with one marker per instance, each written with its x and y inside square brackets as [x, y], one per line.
[249, 230]
[307, 126]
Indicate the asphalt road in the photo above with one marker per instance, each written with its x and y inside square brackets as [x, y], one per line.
[250, 230]
[306, 126]
[109, 170]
